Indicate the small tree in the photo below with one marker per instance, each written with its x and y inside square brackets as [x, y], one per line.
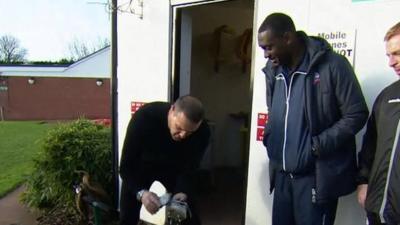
[79, 49]
[11, 51]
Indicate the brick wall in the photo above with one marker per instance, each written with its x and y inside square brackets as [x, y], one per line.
[56, 99]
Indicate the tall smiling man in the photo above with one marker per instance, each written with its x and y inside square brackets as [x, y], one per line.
[316, 108]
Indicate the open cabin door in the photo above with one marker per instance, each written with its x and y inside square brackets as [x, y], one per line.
[181, 42]
[205, 36]
[158, 61]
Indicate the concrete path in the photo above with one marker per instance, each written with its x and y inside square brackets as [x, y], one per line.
[12, 212]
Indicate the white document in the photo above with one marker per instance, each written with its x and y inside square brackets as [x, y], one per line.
[159, 217]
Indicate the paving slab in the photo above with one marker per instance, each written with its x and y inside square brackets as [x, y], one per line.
[13, 212]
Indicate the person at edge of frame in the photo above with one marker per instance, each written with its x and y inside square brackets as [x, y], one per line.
[379, 158]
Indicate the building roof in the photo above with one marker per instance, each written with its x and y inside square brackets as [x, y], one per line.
[96, 65]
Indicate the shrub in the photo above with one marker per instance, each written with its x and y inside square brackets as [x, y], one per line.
[80, 145]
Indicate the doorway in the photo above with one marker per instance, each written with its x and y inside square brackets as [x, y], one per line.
[211, 47]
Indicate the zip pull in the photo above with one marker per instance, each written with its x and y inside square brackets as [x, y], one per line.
[313, 195]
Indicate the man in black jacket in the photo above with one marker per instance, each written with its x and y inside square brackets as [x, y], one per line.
[315, 107]
[166, 143]
[379, 176]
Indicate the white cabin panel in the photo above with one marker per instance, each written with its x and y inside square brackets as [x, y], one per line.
[143, 58]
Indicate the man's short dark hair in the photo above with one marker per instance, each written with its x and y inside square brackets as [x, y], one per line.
[278, 23]
[191, 107]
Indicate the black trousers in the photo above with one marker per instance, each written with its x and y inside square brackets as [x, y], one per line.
[293, 205]
[374, 219]
[129, 207]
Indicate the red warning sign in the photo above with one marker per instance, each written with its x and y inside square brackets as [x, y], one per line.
[135, 106]
[262, 119]
[260, 133]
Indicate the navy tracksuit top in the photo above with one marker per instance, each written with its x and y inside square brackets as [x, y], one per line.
[289, 145]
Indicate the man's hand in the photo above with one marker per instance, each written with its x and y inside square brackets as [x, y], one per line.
[362, 194]
[151, 202]
[182, 197]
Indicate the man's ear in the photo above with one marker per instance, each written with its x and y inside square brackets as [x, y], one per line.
[288, 37]
[172, 109]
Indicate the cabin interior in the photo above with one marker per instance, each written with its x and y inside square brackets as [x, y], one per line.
[212, 61]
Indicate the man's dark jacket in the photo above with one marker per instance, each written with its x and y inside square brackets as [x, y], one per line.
[149, 153]
[379, 158]
[335, 112]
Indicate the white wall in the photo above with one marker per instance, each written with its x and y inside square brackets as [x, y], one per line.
[371, 19]
[143, 53]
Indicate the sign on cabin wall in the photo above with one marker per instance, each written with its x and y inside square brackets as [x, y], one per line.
[135, 106]
[262, 119]
[341, 40]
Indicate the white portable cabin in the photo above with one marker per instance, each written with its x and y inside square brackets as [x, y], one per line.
[177, 47]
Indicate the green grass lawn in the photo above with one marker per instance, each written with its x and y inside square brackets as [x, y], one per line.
[19, 142]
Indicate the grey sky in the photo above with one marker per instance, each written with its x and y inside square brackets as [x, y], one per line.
[47, 27]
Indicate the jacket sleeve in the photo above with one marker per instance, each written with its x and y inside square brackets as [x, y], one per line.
[269, 85]
[352, 109]
[129, 165]
[368, 149]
